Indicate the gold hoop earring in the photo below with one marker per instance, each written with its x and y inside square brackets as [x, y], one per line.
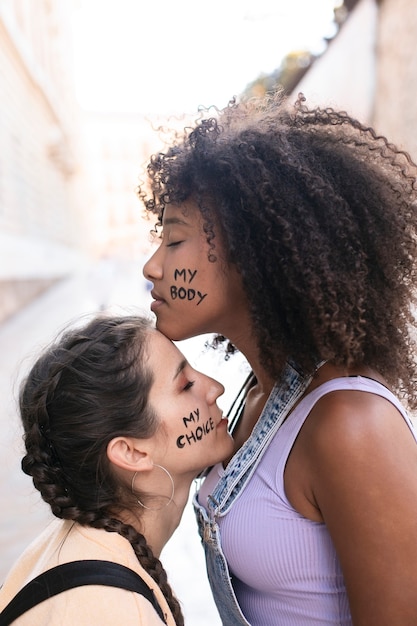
[166, 503]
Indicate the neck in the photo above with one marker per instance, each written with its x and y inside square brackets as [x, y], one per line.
[158, 526]
[246, 343]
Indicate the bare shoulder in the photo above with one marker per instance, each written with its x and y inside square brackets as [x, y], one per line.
[354, 421]
[355, 436]
[351, 440]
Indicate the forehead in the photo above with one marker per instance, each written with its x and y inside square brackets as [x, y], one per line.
[186, 214]
[160, 344]
[163, 356]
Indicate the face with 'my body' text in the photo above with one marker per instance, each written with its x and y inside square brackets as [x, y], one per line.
[192, 295]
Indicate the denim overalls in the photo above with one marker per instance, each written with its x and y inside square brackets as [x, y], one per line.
[240, 469]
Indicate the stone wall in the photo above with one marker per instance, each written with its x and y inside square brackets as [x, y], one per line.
[395, 109]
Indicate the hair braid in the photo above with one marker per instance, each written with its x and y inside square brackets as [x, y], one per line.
[146, 558]
[41, 460]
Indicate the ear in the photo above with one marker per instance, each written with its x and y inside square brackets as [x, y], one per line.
[127, 453]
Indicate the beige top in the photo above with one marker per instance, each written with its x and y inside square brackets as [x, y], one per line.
[64, 541]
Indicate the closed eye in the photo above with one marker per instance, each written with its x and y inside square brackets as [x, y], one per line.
[189, 385]
[174, 243]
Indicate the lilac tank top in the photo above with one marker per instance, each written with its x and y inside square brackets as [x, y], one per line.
[284, 567]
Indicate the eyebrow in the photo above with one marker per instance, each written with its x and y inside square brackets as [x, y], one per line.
[173, 220]
[180, 368]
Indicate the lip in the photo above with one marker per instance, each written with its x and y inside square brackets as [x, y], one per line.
[223, 422]
[157, 301]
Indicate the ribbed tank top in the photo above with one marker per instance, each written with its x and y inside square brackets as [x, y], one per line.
[284, 567]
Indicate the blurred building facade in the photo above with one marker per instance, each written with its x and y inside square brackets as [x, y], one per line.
[395, 110]
[370, 69]
[40, 219]
[67, 177]
[115, 149]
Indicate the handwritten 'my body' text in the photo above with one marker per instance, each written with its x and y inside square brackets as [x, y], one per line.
[186, 293]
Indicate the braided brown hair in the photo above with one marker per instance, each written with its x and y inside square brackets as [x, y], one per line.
[87, 388]
[319, 214]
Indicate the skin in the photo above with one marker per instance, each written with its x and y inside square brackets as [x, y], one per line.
[354, 463]
[178, 391]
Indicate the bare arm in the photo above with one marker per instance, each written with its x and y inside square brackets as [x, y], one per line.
[362, 461]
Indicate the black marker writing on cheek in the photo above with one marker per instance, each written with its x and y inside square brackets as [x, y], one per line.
[186, 293]
[183, 273]
[194, 434]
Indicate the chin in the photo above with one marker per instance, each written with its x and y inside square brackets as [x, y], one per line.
[173, 333]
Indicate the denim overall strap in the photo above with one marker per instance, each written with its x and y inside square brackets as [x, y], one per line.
[290, 388]
[241, 467]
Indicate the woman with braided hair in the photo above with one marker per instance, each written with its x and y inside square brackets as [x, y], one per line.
[116, 427]
[292, 233]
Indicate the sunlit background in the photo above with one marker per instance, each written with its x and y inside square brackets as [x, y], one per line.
[170, 56]
[82, 84]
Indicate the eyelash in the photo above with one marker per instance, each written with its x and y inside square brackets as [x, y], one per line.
[174, 243]
[189, 385]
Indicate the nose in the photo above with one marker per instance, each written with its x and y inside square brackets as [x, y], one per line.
[215, 390]
[153, 268]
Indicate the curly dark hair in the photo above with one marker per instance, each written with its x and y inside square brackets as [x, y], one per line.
[319, 215]
[88, 387]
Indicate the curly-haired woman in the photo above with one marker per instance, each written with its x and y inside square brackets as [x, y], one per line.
[117, 426]
[292, 232]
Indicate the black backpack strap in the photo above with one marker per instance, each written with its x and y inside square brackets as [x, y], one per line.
[76, 574]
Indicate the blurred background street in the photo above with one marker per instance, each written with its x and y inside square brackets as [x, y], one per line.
[84, 84]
